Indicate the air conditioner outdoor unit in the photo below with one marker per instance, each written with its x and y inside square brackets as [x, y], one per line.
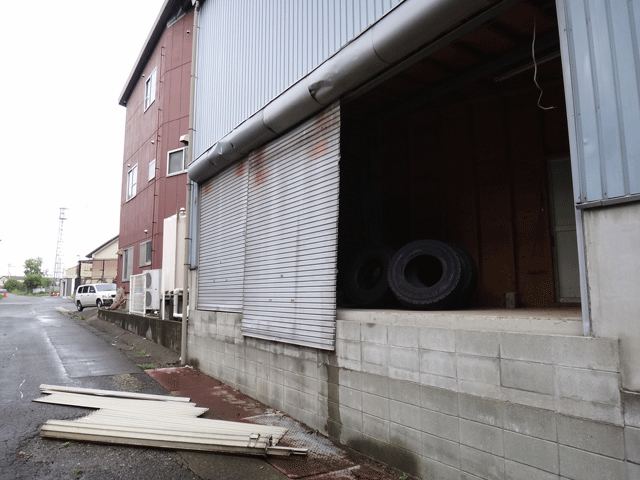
[152, 289]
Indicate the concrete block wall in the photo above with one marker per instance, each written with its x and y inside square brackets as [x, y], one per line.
[443, 403]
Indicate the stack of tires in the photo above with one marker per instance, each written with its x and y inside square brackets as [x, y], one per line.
[425, 275]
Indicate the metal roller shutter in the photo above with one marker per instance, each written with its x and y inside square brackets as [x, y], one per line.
[292, 233]
[223, 213]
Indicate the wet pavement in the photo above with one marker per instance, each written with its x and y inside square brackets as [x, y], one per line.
[43, 340]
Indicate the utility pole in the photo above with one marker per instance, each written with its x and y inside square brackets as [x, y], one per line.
[58, 269]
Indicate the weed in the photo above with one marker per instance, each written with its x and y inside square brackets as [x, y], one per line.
[65, 444]
[147, 366]
[77, 472]
[142, 352]
[403, 477]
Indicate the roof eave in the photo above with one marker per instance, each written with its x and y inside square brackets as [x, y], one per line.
[147, 50]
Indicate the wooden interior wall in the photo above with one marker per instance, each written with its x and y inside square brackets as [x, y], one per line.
[475, 173]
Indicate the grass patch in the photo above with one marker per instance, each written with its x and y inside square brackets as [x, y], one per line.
[147, 366]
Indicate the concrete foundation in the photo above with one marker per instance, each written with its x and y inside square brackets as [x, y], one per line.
[438, 398]
[612, 240]
[163, 332]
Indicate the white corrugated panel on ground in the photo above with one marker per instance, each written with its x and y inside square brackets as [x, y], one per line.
[150, 420]
[292, 234]
[223, 213]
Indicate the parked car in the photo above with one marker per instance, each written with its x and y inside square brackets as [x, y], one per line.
[95, 294]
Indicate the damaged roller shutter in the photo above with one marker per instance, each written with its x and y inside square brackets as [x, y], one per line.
[223, 213]
[292, 234]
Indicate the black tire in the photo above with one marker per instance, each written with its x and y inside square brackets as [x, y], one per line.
[468, 281]
[99, 303]
[366, 281]
[79, 306]
[425, 274]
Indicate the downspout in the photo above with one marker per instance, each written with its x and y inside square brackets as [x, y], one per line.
[187, 238]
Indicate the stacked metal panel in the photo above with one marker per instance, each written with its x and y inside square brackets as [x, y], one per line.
[156, 421]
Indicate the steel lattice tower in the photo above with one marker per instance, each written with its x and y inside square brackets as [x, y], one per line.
[58, 269]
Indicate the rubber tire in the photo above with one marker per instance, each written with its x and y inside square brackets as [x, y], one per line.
[405, 279]
[469, 279]
[79, 306]
[366, 281]
[99, 303]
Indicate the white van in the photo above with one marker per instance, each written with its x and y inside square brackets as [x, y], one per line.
[95, 294]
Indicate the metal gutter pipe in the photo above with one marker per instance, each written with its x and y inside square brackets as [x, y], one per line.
[187, 228]
[403, 30]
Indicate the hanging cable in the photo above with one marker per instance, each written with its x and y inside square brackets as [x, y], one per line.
[535, 67]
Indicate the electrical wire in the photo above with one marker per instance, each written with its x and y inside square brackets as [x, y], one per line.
[535, 68]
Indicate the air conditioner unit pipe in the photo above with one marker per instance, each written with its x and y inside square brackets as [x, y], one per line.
[176, 293]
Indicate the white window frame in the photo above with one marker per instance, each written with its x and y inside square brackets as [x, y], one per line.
[127, 263]
[152, 169]
[184, 161]
[146, 252]
[132, 182]
[150, 90]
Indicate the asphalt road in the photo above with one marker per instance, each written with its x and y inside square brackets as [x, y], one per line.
[38, 344]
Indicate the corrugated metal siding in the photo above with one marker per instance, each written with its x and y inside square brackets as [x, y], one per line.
[223, 213]
[249, 52]
[292, 234]
[601, 61]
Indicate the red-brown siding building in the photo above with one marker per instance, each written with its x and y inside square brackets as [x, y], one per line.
[154, 178]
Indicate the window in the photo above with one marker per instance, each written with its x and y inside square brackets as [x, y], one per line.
[132, 182]
[127, 264]
[150, 89]
[145, 253]
[152, 169]
[177, 161]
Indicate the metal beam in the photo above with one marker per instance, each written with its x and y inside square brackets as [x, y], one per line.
[522, 53]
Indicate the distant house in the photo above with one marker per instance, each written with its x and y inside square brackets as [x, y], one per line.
[104, 264]
[74, 276]
[101, 267]
[4, 278]
[156, 96]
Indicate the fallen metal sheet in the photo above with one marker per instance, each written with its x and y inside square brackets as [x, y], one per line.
[112, 393]
[153, 423]
[92, 401]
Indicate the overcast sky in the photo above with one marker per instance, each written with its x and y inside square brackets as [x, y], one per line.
[64, 66]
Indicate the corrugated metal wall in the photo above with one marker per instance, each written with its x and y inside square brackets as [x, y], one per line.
[249, 52]
[601, 62]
